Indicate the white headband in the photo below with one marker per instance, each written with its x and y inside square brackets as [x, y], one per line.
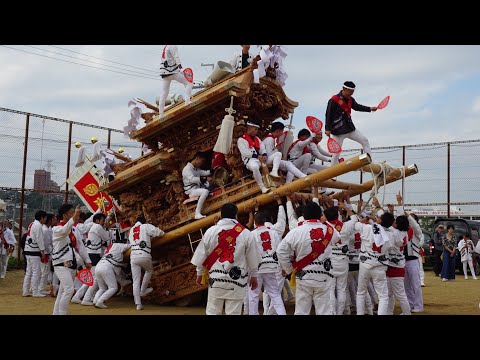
[348, 87]
[252, 124]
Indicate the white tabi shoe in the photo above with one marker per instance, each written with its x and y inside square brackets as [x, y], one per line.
[199, 216]
[101, 305]
[140, 307]
[264, 189]
[146, 292]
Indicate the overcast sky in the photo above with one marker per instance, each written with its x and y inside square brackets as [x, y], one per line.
[435, 91]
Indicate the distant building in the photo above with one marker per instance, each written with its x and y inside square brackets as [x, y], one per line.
[42, 181]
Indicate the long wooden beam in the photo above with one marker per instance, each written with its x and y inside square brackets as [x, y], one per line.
[394, 175]
[326, 174]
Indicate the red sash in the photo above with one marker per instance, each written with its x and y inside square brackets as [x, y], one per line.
[252, 143]
[29, 228]
[269, 136]
[346, 106]
[163, 52]
[226, 238]
[306, 149]
[318, 249]
[338, 226]
[72, 237]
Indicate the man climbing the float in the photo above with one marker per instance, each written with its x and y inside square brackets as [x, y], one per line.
[338, 119]
[275, 156]
[253, 152]
[196, 181]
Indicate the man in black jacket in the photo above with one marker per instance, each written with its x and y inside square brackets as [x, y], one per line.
[338, 119]
[438, 250]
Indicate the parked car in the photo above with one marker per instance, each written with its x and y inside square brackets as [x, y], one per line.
[428, 247]
[462, 226]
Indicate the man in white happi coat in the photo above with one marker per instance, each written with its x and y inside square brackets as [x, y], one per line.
[413, 286]
[95, 238]
[340, 256]
[64, 257]
[253, 153]
[141, 257]
[196, 181]
[46, 260]
[466, 252]
[7, 245]
[241, 59]
[171, 69]
[396, 266]
[300, 152]
[376, 241]
[34, 250]
[267, 241]
[274, 156]
[107, 270]
[318, 153]
[311, 245]
[230, 255]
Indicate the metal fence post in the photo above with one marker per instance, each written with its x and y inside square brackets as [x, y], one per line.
[361, 176]
[448, 180]
[22, 196]
[68, 159]
[109, 138]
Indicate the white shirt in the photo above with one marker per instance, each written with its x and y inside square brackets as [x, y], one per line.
[267, 242]
[169, 63]
[236, 61]
[297, 149]
[466, 253]
[340, 249]
[140, 239]
[228, 279]
[114, 257]
[248, 152]
[34, 241]
[298, 242]
[47, 239]
[191, 178]
[96, 236]
[371, 250]
[414, 244]
[269, 144]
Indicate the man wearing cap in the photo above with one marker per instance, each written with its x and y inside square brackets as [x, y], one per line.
[170, 69]
[253, 153]
[338, 119]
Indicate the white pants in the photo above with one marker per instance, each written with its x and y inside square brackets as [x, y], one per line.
[355, 136]
[55, 283]
[301, 163]
[81, 293]
[319, 296]
[32, 275]
[396, 290]
[254, 166]
[274, 159]
[291, 169]
[313, 168]
[65, 291]
[139, 263]
[339, 288]
[268, 308]
[379, 277]
[270, 283]
[203, 193]
[107, 283]
[166, 88]
[3, 264]
[215, 305]
[472, 271]
[422, 273]
[46, 274]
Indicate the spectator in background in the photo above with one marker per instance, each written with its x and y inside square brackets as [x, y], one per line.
[466, 251]
[449, 247]
[438, 250]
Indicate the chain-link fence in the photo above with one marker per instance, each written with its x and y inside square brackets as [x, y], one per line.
[448, 176]
[39, 154]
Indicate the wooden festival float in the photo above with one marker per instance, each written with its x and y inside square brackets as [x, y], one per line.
[152, 184]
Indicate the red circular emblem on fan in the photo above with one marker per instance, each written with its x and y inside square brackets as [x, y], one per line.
[188, 73]
[383, 104]
[314, 124]
[333, 146]
[86, 277]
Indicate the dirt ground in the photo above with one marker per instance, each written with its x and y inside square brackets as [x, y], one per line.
[459, 297]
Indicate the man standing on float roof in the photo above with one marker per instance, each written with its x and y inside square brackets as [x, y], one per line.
[338, 119]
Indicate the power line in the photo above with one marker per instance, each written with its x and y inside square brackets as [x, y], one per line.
[94, 57]
[72, 62]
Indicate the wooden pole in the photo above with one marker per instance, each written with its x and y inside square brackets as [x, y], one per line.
[306, 182]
